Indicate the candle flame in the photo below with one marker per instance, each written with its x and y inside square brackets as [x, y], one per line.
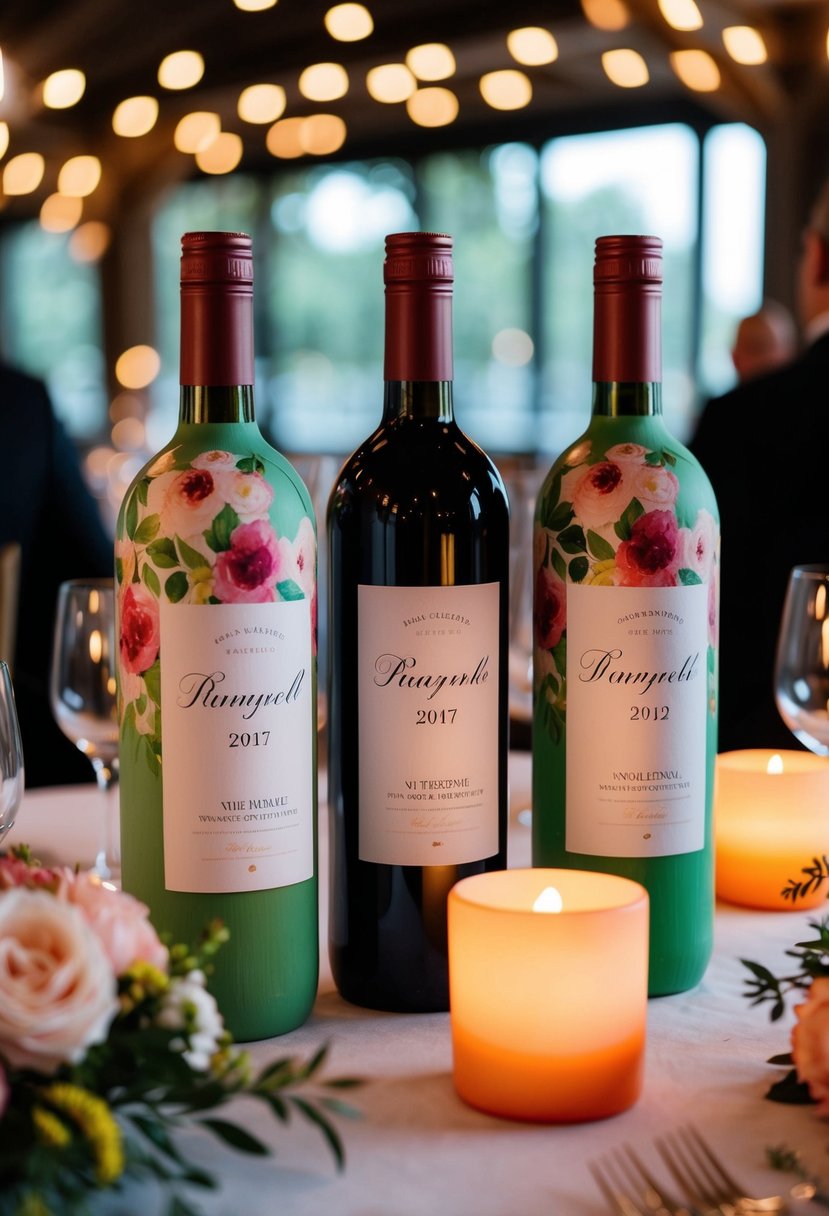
[548, 901]
[775, 764]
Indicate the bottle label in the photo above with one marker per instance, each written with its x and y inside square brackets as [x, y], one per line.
[237, 745]
[428, 724]
[636, 720]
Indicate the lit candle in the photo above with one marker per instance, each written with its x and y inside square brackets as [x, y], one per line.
[548, 978]
[771, 821]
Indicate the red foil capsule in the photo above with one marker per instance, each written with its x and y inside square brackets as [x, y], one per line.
[418, 274]
[216, 309]
[627, 279]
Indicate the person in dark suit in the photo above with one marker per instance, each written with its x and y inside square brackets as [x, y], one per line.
[47, 508]
[764, 448]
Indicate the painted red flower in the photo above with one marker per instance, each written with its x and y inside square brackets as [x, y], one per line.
[140, 629]
[249, 570]
[651, 557]
[549, 608]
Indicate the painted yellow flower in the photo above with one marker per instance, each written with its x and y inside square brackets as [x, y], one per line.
[602, 574]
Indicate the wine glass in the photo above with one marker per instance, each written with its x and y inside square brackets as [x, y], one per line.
[801, 682]
[83, 695]
[11, 753]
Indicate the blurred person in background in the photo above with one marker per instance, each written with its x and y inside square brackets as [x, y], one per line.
[764, 448]
[47, 508]
[763, 341]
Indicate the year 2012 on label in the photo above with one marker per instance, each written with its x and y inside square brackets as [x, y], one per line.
[428, 698]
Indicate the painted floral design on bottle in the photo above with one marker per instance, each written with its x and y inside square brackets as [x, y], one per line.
[197, 532]
[610, 518]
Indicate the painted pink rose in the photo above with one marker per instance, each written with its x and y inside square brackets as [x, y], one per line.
[248, 493]
[651, 557]
[248, 572]
[626, 453]
[187, 502]
[140, 628]
[58, 993]
[298, 557]
[119, 921]
[549, 608]
[215, 460]
[810, 1043]
[654, 487]
[698, 545]
[714, 606]
[601, 494]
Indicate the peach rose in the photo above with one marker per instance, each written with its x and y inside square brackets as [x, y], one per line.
[119, 921]
[601, 494]
[810, 1043]
[626, 453]
[655, 487]
[187, 502]
[248, 493]
[58, 992]
[215, 460]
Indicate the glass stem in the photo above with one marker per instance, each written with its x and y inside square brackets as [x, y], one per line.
[108, 856]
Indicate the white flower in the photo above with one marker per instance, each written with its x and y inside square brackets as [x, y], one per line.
[655, 487]
[215, 460]
[189, 1007]
[187, 502]
[626, 453]
[698, 545]
[298, 559]
[248, 493]
[58, 993]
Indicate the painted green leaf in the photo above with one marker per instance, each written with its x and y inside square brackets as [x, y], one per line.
[559, 565]
[150, 757]
[578, 568]
[176, 586]
[163, 553]
[214, 599]
[152, 682]
[142, 489]
[561, 517]
[601, 549]
[189, 556]
[630, 515]
[689, 578]
[250, 464]
[147, 530]
[654, 458]
[289, 590]
[131, 518]
[151, 579]
[669, 457]
[572, 539]
[119, 570]
[219, 533]
[141, 703]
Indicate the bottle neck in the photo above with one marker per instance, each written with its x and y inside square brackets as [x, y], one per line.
[627, 340]
[418, 399]
[203, 404]
[627, 399]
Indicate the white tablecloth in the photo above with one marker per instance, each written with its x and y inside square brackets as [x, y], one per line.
[419, 1151]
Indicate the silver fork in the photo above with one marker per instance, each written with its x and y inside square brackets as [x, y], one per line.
[700, 1175]
[622, 1172]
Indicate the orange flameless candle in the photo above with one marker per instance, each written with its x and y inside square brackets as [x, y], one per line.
[548, 979]
[771, 820]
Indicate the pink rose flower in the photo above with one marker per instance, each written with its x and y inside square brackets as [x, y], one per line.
[140, 628]
[215, 460]
[119, 921]
[58, 993]
[651, 557]
[549, 608]
[698, 545]
[627, 453]
[248, 572]
[248, 493]
[655, 487]
[810, 1043]
[601, 494]
[298, 557]
[17, 873]
[187, 502]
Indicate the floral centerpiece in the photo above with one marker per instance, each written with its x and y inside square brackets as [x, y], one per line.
[109, 1041]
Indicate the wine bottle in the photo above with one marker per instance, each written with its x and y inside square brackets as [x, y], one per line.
[625, 658]
[418, 527]
[215, 571]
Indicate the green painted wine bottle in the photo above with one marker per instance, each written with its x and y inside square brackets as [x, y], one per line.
[215, 571]
[626, 551]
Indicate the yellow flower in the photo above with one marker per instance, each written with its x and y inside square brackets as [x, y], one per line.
[142, 980]
[602, 574]
[95, 1120]
[50, 1129]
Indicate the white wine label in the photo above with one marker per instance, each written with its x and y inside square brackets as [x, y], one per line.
[636, 719]
[428, 728]
[237, 745]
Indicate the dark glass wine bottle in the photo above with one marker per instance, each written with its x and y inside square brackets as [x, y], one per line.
[215, 571]
[418, 526]
[625, 658]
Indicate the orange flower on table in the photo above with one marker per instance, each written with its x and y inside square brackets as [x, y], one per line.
[810, 1043]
